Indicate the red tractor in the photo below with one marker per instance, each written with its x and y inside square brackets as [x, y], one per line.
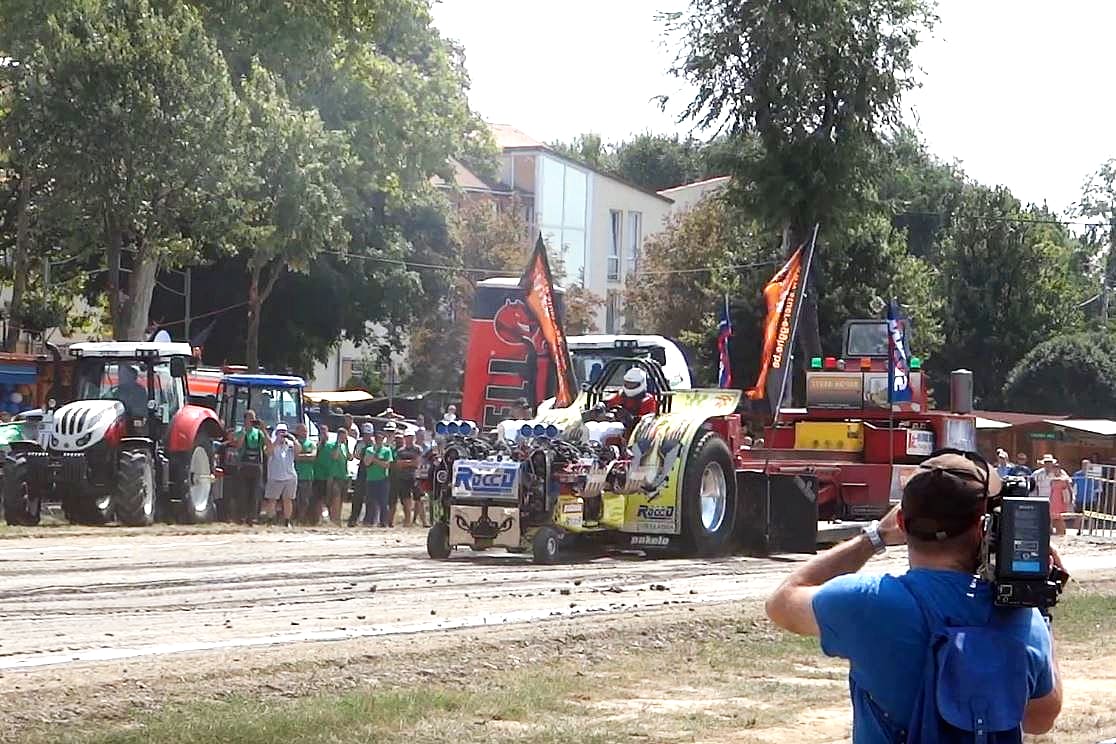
[130, 447]
[848, 440]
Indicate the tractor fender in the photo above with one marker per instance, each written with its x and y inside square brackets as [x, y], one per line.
[25, 445]
[186, 425]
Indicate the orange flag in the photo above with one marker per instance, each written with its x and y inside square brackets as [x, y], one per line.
[538, 291]
[781, 295]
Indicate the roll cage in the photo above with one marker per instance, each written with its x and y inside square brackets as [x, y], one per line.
[657, 383]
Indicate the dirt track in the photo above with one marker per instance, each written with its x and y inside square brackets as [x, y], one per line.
[114, 605]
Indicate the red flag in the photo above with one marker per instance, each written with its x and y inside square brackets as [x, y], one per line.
[781, 295]
[538, 291]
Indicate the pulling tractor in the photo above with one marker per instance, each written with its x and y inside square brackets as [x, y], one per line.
[129, 447]
[592, 473]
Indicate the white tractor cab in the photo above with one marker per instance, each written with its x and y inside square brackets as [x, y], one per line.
[591, 353]
[128, 447]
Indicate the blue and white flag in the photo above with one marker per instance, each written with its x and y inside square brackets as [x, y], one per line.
[899, 357]
[724, 333]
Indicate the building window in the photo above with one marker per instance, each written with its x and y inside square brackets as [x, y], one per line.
[561, 211]
[615, 246]
[635, 240]
[612, 312]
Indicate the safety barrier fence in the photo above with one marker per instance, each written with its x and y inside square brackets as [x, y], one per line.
[1097, 502]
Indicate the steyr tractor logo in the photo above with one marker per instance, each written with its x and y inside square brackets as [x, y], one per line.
[514, 324]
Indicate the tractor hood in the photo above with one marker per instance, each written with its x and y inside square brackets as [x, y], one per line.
[80, 425]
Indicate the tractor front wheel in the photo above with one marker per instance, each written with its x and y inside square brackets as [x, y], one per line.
[437, 542]
[194, 470]
[21, 505]
[545, 544]
[134, 496]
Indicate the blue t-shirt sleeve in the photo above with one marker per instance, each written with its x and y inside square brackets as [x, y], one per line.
[1041, 657]
[844, 608]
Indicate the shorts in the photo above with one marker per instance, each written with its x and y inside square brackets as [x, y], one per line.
[284, 489]
[403, 489]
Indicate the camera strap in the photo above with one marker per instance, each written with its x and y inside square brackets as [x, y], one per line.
[975, 684]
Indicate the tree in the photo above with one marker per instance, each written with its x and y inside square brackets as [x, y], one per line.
[806, 88]
[1072, 374]
[1006, 279]
[657, 162]
[1098, 200]
[488, 240]
[587, 148]
[292, 205]
[378, 73]
[140, 147]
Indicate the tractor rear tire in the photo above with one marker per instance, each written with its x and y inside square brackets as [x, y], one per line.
[134, 495]
[20, 506]
[708, 497]
[197, 505]
[437, 542]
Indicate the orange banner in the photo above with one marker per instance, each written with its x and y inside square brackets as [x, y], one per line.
[538, 292]
[781, 295]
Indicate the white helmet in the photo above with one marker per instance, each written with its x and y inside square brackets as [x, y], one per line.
[635, 382]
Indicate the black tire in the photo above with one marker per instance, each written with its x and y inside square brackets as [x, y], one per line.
[83, 506]
[21, 506]
[204, 508]
[437, 542]
[545, 544]
[712, 536]
[134, 495]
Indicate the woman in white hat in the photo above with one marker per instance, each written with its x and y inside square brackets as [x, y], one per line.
[1053, 483]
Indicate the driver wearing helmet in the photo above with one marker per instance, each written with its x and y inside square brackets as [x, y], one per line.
[634, 397]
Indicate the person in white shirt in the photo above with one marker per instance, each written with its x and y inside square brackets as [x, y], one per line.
[282, 478]
[1053, 484]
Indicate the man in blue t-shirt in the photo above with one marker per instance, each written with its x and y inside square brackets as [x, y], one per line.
[876, 622]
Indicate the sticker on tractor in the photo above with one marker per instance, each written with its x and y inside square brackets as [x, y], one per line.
[486, 479]
[651, 541]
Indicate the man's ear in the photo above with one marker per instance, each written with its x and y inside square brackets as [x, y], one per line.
[900, 521]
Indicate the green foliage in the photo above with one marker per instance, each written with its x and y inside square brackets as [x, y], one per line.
[1007, 285]
[483, 236]
[815, 82]
[1072, 374]
[135, 120]
[652, 161]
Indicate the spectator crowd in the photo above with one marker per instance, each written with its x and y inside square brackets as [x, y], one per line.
[374, 468]
[1050, 481]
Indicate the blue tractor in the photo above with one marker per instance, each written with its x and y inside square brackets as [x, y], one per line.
[274, 398]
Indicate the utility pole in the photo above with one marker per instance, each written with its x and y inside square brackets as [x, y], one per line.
[187, 298]
[1107, 273]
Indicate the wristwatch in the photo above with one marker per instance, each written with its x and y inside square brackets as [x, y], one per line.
[872, 532]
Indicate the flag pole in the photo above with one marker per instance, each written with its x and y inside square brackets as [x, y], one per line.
[794, 330]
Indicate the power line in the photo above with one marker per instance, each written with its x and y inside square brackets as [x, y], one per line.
[988, 218]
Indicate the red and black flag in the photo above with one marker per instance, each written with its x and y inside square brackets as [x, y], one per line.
[538, 292]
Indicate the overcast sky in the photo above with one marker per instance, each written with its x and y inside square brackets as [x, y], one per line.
[1019, 91]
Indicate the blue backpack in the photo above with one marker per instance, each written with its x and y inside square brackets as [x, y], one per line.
[975, 685]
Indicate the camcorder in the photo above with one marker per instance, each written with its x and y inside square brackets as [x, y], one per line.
[1015, 553]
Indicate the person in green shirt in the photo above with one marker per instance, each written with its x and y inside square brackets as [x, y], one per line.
[377, 463]
[321, 473]
[305, 457]
[339, 455]
[249, 444]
